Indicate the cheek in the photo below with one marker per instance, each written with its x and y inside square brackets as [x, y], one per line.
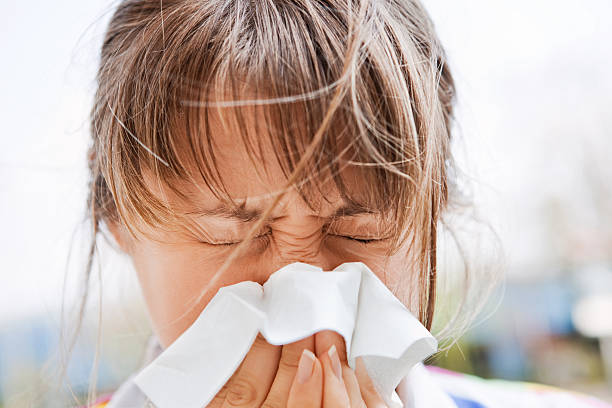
[172, 279]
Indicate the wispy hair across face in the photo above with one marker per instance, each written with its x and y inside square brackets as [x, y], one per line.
[335, 83]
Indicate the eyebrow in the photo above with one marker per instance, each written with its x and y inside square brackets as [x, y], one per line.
[241, 213]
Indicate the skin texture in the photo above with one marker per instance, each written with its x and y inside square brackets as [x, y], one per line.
[173, 267]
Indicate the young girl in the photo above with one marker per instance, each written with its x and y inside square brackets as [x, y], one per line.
[232, 137]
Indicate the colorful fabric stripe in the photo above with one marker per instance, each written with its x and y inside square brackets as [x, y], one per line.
[465, 403]
[100, 402]
[470, 391]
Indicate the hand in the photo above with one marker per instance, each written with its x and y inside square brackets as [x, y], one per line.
[299, 374]
[332, 383]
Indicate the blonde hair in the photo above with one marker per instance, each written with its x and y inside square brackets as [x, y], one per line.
[368, 77]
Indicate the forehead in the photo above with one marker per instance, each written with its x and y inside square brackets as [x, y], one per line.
[246, 154]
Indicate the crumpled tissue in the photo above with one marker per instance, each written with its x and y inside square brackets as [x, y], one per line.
[295, 302]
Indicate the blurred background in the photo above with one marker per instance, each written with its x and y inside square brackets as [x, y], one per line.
[535, 136]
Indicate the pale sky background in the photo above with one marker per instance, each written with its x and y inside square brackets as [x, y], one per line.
[535, 103]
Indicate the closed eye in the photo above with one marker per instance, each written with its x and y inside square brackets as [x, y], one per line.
[364, 241]
[262, 239]
[265, 237]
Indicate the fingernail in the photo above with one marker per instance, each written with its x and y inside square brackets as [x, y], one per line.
[335, 360]
[305, 365]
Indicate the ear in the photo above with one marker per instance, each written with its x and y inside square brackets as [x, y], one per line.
[120, 235]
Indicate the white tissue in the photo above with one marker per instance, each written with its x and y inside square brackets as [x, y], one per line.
[295, 302]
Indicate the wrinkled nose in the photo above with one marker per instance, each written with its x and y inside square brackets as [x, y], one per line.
[301, 244]
[309, 256]
[299, 236]
[289, 248]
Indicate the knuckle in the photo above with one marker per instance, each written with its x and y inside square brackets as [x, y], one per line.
[290, 356]
[241, 392]
[217, 400]
[287, 364]
[272, 402]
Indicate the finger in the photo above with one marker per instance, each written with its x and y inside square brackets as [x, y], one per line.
[368, 390]
[352, 387]
[325, 339]
[307, 388]
[219, 399]
[287, 368]
[334, 391]
[249, 385]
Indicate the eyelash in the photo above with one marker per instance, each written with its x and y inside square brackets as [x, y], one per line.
[264, 237]
[360, 240]
[267, 235]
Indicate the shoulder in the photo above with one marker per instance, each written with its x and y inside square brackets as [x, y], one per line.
[474, 392]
